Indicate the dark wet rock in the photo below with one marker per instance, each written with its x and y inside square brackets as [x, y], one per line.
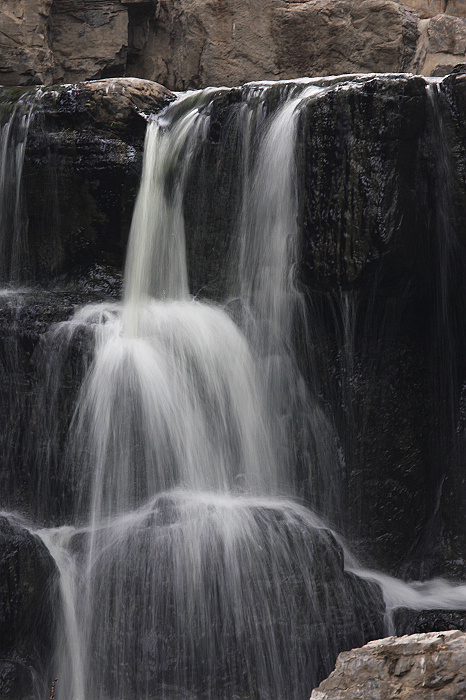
[362, 146]
[283, 578]
[16, 681]
[36, 434]
[408, 621]
[383, 270]
[81, 174]
[29, 602]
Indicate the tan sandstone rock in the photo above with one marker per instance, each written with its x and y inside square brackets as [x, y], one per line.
[194, 43]
[414, 667]
[215, 42]
[441, 45]
[88, 39]
[430, 8]
[25, 55]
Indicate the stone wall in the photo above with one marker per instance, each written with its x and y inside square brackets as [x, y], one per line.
[193, 43]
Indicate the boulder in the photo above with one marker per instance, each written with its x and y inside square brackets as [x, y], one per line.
[421, 666]
[241, 573]
[29, 605]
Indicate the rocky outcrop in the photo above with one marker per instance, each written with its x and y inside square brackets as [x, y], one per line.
[90, 136]
[231, 42]
[88, 40]
[441, 45]
[193, 43]
[421, 666]
[29, 604]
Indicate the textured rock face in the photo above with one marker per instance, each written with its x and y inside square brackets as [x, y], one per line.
[28, 606]
[88, 39]
[343, 37]
[441, 45]
[430, 8]
[230, 42]
[419, 666]
[90, 136]
[194, 43]
[25, 55]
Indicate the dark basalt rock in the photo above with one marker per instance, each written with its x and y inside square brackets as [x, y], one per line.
[359, 164]
[383, 215]
[29, 603]
[35, 410]
[408, 621]
[81, 174]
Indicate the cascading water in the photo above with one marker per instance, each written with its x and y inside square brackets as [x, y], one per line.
[179, 434]
[189, 569]
[13, 223]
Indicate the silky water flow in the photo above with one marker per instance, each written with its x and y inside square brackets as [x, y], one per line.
[191, 570]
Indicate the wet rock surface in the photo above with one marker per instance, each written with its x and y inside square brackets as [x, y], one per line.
[89, 138]
[423, 666]
[408, 621]
[326, 608]
[373, 297]
[34, 442]
[28, 608]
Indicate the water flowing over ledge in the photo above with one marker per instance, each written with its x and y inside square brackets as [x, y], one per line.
[275, 334]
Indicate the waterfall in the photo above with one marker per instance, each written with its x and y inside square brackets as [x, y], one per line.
[190, 443]
[195, 571]
[13, 221]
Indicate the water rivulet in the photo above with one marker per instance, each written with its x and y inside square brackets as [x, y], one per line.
[196, 447]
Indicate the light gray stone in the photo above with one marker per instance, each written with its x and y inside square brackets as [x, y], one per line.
[418, 667]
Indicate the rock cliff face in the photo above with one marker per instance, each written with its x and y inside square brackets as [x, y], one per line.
[193, 43]
[421, 666]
